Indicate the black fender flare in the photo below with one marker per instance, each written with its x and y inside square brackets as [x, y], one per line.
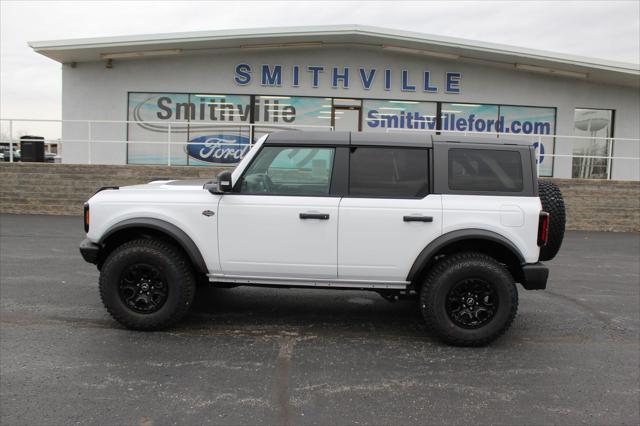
[444, 240]
[187, 244]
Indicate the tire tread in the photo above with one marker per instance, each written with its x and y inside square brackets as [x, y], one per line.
[457, 261]
[150, 247]
[552, 203]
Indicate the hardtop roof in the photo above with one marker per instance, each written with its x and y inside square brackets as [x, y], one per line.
[393, 139]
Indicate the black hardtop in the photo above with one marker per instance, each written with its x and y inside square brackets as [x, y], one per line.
[393, 139]
[481, 139]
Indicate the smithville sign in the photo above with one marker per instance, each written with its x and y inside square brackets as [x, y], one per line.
[341, 77]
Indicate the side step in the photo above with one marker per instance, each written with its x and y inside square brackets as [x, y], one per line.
[308, 282]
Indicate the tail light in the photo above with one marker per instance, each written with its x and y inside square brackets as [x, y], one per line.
[86, 217]
[543, 229]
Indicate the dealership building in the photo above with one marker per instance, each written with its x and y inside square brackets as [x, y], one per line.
[203, 98]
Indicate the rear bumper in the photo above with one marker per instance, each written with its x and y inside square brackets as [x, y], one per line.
[89, 251]
[535, 276]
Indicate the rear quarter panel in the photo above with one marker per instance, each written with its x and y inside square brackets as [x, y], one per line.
[515, 218]
[513, 215]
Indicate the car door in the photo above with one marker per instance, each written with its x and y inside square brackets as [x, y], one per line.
[388, 216]
[282, 220]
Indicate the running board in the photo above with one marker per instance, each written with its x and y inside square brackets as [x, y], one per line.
[308, 282]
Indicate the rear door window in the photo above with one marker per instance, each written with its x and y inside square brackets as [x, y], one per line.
[388, 172]
[485, 170]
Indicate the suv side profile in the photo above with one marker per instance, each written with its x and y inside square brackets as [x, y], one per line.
[455, 223]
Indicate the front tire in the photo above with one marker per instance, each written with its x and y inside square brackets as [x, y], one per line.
[147, 284]
[468, 299]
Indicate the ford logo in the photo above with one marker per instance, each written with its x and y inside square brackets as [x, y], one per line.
[226, 149]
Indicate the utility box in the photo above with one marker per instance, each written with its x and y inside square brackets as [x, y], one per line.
[32, 149]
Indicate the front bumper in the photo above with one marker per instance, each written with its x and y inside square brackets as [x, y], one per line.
[89, 250]
[535, 276]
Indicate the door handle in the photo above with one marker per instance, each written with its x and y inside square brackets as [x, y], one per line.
[418, 219]
[321, 216]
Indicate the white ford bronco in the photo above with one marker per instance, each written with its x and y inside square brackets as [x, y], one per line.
[452, 222]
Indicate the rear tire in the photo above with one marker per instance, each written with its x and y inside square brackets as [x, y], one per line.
[552, 203]
[147, 284]
[468, 299]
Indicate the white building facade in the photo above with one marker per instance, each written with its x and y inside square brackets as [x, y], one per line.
[203, 98]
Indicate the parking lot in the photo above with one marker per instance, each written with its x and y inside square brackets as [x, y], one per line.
[265, 356]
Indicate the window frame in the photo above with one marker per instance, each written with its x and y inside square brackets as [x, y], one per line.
[612, 139]
[429, 173]
[441, 176]
[334, 178]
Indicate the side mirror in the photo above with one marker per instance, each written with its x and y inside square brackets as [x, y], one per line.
[224, 181]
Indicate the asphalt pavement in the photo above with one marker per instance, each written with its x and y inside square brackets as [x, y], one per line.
[288, 356]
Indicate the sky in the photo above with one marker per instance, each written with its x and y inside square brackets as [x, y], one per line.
[30, 84]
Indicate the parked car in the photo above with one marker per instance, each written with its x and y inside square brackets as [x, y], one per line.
[452, 222]
[4, 156]
[7, 157]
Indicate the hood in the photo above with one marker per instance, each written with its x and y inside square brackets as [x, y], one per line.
[190, 184]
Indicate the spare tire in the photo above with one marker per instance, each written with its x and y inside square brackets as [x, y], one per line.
[552, 203]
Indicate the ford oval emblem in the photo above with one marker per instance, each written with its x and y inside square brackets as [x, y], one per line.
[220, 148]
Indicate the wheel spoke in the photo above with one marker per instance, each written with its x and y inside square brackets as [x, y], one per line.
[142, 288]
[471, 303]
[128, 286]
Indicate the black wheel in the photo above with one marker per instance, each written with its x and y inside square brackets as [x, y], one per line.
[552, 203]
[147, 284]
[468, 299]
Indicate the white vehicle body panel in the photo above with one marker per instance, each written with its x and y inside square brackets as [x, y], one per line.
[515, 218]
[374, 241]
[263, 235]
[179, 205]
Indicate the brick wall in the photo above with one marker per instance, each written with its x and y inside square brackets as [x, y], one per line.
[63, 188]
[601, 205]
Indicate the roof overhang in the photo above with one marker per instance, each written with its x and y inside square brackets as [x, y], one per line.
[504, 56]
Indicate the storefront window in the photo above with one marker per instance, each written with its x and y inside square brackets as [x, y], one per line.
[220, 134]
[273, 113]
[216, 129]
[205, 129]
[469, 118]
[381, 115]
[147, 130]
[499, 120]
[522, 120]
[595, 128]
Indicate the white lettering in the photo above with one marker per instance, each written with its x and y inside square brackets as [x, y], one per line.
[222, 149]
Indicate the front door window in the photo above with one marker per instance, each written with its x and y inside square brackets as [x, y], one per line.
[290, 171]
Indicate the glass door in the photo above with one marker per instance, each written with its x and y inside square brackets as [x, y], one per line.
[346, 118]
[346, 114]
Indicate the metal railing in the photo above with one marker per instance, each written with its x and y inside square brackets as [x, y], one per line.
[91, 138]
[170, 128]
[537, 140]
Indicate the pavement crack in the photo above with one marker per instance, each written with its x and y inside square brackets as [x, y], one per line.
[280, 391]
[584, 307]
